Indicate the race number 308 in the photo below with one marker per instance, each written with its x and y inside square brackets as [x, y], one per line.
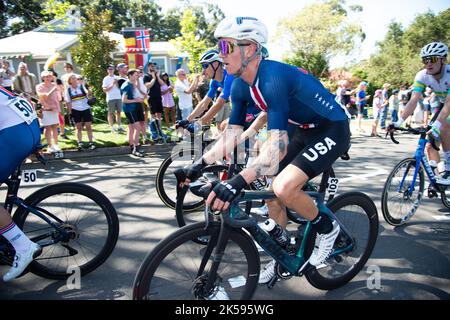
[29, 176]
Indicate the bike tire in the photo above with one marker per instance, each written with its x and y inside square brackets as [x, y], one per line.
[171, 267]
[338, 273]
[391, 199]
[166, 183]
[63, 200]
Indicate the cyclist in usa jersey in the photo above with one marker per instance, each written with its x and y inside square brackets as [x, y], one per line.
[436, 75]
[212, 67]
[19, 136]
[289, 95]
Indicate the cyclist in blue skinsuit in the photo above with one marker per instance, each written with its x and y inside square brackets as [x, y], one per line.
[19, 136]
[213, 69]
[289, 95]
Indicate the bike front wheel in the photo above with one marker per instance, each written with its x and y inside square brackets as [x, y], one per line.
[357, 215]
[398, 202]
[172, 270]
[85, 214]
[166, 183]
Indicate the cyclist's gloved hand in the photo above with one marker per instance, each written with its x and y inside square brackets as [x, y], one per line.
[225, 192]
[398, 123]
[191, 172]
[435, 129]
[192, 127]
[182, 123]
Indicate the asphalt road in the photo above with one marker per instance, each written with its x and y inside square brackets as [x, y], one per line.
[413, 260]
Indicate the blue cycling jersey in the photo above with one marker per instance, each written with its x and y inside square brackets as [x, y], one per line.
[288, 94]
[225, 84]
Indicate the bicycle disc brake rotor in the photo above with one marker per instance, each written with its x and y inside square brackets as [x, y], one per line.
[72, 231]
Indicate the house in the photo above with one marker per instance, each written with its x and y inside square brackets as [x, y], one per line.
[60, 35]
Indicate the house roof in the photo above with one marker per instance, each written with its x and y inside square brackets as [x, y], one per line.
[37, 44]
[41, 45]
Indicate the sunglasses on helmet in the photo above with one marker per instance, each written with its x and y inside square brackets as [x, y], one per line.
[432, 59]
[205, 66]
[226, 47]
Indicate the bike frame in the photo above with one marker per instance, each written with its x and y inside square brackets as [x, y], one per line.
[421, 159]
[237, 218]
[12, 199]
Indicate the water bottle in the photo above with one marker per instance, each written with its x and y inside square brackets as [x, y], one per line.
[276, 232]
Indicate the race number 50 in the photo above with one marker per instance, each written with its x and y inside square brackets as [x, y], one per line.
[29, 176]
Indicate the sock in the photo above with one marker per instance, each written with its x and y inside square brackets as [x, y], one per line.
[16, 237]
[322, 223]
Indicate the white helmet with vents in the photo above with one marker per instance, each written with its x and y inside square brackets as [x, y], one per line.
[434, 49]
[242, 28]
[210, 56]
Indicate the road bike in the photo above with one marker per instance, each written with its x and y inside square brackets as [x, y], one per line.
[226, 264]
[75, 224]
[404, 188]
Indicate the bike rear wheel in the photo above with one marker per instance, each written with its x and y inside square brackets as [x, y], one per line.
[87, 215]
[170, 270]
[357, 213]
[397, 204]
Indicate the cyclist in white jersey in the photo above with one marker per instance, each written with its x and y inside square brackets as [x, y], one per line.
[436, 75]
[19, 136]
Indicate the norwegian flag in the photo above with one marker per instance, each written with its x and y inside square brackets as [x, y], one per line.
[143, 40]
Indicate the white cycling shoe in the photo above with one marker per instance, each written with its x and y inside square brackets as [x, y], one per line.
[267, 274]
[324, 246]
[219, 294]
[21, 261]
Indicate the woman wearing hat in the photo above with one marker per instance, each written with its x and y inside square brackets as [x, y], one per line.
[378, 107]
[49, 96]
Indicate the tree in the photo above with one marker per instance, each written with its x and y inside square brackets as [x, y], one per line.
[320, 30]
[25, 16]
[93, 53]
[397, 58]
[189, 42]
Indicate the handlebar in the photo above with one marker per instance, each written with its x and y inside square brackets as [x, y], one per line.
[419, 131]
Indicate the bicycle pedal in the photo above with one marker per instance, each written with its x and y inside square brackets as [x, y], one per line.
[272, 281]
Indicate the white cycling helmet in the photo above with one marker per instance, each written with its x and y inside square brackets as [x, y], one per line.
[434, 49]
[242, 28]
[210, 56]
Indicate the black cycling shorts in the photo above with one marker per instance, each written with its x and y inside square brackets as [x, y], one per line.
[315, 150]
[135, 115]
[82, 116]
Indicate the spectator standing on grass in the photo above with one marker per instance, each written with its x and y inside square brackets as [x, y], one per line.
[184, 90]
[76, 97]
[49, 97]
[6, 75]
[25, 82]
[131, 105]
[111, 87]
[168, 102]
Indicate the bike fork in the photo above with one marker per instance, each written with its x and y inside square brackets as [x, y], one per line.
[217, 256]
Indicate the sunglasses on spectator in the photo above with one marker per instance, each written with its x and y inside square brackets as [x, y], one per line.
[226, 47]
[432, 59]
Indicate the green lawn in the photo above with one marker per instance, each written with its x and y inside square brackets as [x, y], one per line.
[103, 137]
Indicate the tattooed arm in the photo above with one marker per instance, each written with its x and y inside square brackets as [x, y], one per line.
[272, 152]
